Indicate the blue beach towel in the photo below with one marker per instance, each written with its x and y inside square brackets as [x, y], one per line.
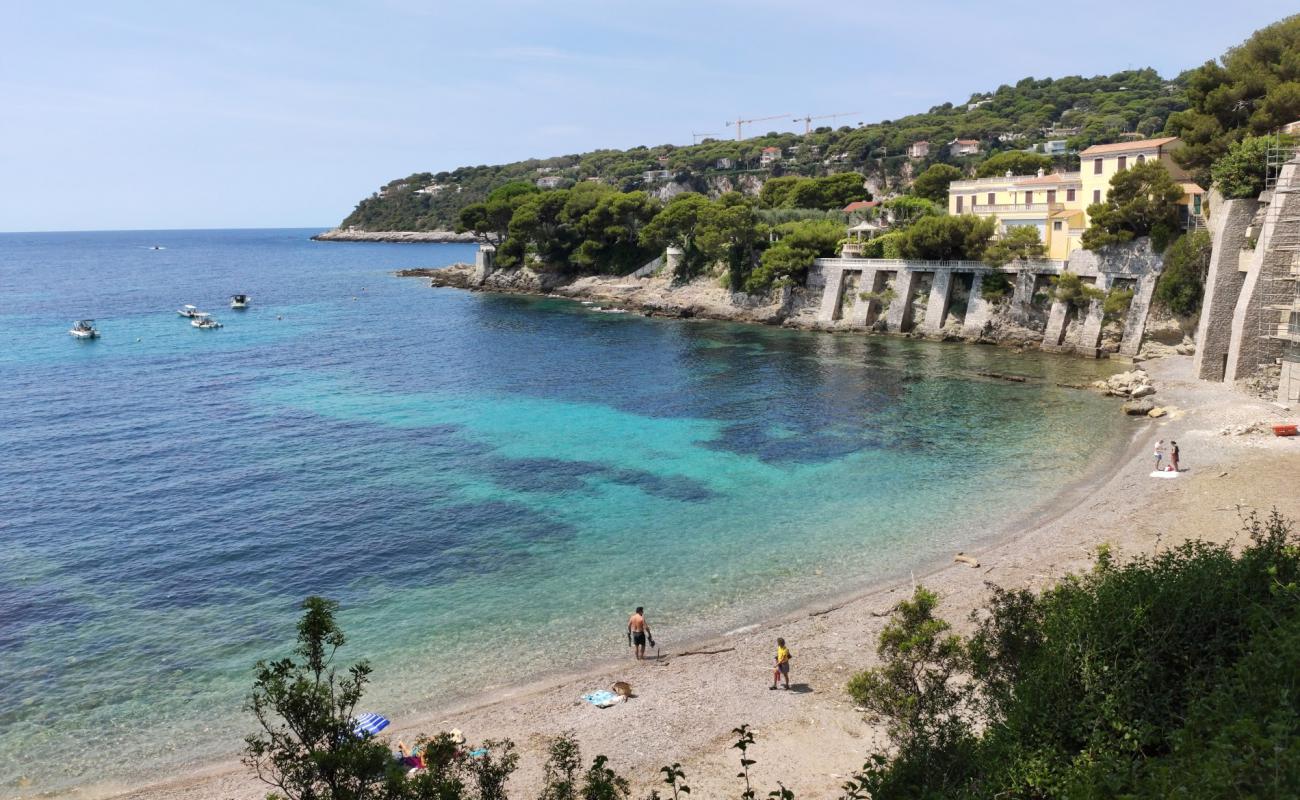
[602, 699]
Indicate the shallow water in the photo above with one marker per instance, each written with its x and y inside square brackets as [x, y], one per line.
[486, 483]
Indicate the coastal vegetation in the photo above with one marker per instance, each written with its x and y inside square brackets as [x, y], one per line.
[1171, 675]
[1252, 90]
[1142, 201]
[1182, 282]
[1168, 676]
[1011, 118]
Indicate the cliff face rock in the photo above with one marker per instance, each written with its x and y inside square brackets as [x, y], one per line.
[402, 237]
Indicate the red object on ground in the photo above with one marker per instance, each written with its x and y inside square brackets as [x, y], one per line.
[1284, 430]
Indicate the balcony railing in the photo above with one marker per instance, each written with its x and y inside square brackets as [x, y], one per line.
[1011, 208]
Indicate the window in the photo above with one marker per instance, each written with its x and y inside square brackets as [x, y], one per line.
[991, 200]
[1056, 225]
[974, 201]
[1141, 159]
[1029, 198]
[1051, 196]
[959, 199]
[1196, 204]
[1096, 166]
[1069, 195]
[1123, 163]
[1096, 195]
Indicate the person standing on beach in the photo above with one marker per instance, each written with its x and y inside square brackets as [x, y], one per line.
[782, 669]
[1173, 454]
[1159, 452]
[637, 632]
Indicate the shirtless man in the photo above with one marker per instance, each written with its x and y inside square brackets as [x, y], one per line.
[637, 631]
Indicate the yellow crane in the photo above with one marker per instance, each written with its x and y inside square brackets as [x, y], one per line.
[741, 123]
[808, 120]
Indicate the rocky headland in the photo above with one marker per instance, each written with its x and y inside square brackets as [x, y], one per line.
[402, 237]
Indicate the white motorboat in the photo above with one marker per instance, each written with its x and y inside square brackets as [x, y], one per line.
[240, 301]
[188, 310]
[84, 329]
[205, 321]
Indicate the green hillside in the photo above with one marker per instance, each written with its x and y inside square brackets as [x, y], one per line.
[1098, 109]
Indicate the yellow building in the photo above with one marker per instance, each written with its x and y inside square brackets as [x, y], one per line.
[1057, 204]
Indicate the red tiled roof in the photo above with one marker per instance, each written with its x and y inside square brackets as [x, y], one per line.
[860, 204]
[771, 149]
[1126, 147]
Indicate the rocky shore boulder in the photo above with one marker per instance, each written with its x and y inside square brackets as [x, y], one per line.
[1133, 384]
[1139, 408]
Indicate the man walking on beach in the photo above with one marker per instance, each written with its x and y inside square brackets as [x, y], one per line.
[637, 632]
[1159, 452]
[1173, 455]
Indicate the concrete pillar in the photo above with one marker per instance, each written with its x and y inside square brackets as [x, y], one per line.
[483, 263]
[832, 294]
[978, 310]
[1022, 295]
[1089, 343]
[1054, 336]
[1229, 223]
[899, 316]
[940, 296]
[860, 315]
[1135, 322]
[674, 260]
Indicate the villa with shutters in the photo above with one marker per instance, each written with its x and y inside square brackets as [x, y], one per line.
[1057, 204]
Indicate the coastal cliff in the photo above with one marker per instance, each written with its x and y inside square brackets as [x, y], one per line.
[403, 237]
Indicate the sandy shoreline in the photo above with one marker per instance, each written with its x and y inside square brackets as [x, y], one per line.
[686, 705]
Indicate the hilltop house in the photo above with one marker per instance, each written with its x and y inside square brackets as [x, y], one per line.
[770, 155]
[860, 205]
[550, 182]
[1057, 204]
[963, 147]
[652, 175]
[918, 149]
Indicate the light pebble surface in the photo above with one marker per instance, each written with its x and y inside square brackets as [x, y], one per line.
[686, 705]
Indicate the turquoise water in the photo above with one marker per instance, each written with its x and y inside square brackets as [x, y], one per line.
[486, 483]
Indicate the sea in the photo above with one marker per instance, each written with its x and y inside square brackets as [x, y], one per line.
[486, 484]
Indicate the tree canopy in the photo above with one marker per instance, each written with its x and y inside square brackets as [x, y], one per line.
[933, 184]
[1017, 162]
[1142, 201]
[1253, 89]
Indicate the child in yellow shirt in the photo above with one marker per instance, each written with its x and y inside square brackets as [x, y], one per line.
[782, 664]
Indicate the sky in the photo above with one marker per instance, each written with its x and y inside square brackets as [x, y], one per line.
[151, 115]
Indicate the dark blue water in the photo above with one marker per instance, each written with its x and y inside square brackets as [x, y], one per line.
[469, 474]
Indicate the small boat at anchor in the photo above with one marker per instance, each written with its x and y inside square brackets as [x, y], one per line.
[205, 321]
[84, 329]
[240, 301]
[188, 310]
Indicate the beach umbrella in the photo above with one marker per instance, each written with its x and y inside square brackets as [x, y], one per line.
[370, 724]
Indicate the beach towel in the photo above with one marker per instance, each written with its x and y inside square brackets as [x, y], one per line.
[601, 699]
[1163, 474]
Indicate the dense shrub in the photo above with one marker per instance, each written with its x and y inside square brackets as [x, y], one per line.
[1019, 242]
[1174, 675]
[1181, 286]
[947, 238]
[1240, 172]
[932, 184]
[788, 260]
[1142, 201]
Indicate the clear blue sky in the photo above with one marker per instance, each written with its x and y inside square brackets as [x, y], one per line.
[263, 114]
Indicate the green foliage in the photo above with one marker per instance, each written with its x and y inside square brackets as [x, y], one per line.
[1240, 172]
[1017, 162]
[1102, 106]
[827, 193]
[1018, 242]
[1142, 201]
[1169, 676]
[932, 184]
[995, 285]
[1116, 304]
[947, 238]
[788, 260]
[886, 245]
[1072, 290]
[306, 747]
[1253, 89]
[906, 209]
[1182, 282]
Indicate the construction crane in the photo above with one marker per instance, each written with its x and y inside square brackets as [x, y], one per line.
[695, 137]
[807, 121]
[741, 123]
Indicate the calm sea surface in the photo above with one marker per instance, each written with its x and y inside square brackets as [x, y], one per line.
[486, 483]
